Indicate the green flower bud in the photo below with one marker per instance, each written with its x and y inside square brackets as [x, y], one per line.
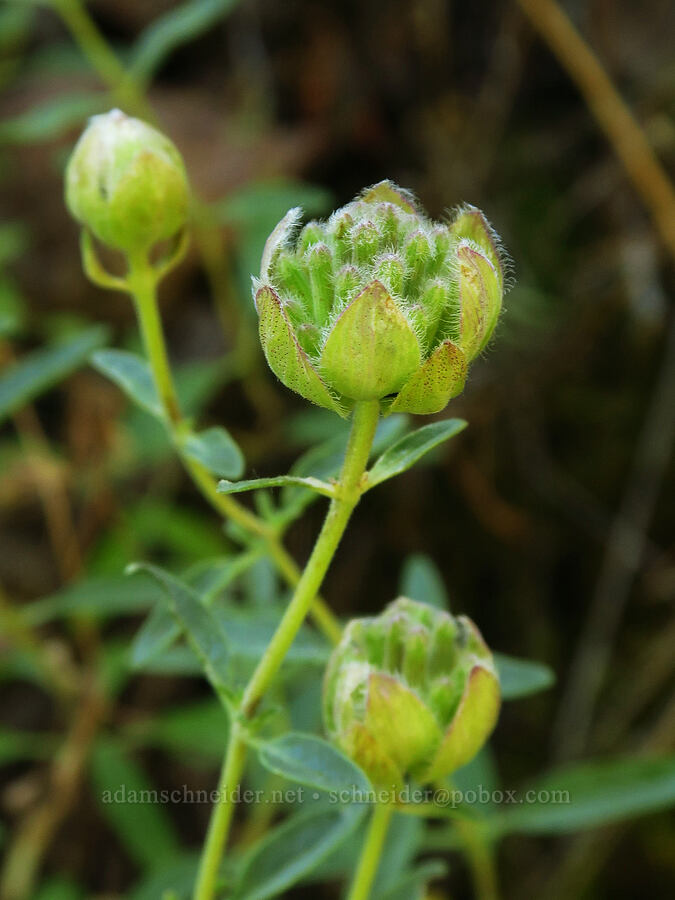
[412, 692]
[395, 305]
[126, 183]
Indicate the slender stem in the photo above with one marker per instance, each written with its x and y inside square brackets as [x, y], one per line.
[142, 285]
[364, 423]
[102, 59]
[371, 852]
[479, 856]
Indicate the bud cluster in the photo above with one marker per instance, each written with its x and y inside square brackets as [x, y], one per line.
[379, 302]
[411, 692]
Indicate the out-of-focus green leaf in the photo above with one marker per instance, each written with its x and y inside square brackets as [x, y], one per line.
[132, 374]
[97, 597]
[411, 448]
[16, 745]
[51, 119]
[177, 26]
[199, 729]
[37, 372]
[59, 889]
[291, 851]
[130, 804]
[12, 308]
[591, 794]
[421, 580]
[13, 241]
[156, 635]
[217, 451]
[522, 677]
[203, 632]
[412, 885]
[262, 204]
[314, 762]
[404, 840]
[178, 875]
[254, 484]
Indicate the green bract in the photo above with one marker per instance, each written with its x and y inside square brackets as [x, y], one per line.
[379, 303]
[126, 183]
[413, 692]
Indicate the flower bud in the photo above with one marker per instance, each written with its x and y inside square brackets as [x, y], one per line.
[396, 305]
[126, 183]
[412, 692]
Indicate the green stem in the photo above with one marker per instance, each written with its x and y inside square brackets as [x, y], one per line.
[480, 859]
[349, 490]
[100, 57]
[371, 852]
[142, 285]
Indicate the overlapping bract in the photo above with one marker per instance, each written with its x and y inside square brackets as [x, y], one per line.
[412, 692]
[379, 303]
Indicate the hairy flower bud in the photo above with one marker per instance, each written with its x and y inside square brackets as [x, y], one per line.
[379, 303]
[412, 692]
[126, 183]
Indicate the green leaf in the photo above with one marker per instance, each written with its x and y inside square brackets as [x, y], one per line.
[592, 794]
[18, 745]
[238, 487]
[201, 627]
[412, 885]
[131, 373]
[198, 730]
[522, 677]
[98, 597]
[49, 120]
[216, 450]
[127, 801]
[289, 852]
[41, 370]
[421, 580]
[261, 204]
[12, 308]
[178, 875]
[314, 762]
[59, 889]
[155, 635]
[175, 27]
[409, 449]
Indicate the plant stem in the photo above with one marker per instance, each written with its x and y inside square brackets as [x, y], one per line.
[371, 853]
[142, 285]
[348, 493]
[480, 859]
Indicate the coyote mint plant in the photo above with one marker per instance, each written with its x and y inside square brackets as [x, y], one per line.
[379, 302]
[413, 691]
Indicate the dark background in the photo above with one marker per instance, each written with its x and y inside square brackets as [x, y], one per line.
[551, 517]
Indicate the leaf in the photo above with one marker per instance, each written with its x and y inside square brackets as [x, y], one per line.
[175, 27]
[127, 801]
[591, 794]
[12, 308]
[292, 850]
[261, 204]
[215, 450]
[409, 449]
[314, 762]
[199, 729]
[155, 635]
[252, 484]
[178, 875]
[421, 580]
[131, 373]
[22, 745]
[37, 372]
[202, 629]
[97, 597]
[522, 677]
[59, 889]
[49, 120]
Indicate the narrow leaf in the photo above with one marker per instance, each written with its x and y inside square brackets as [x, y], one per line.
[39, 371]
[312, 761]
[132, 374]
[292, 850]
[314, 484]
[522, 677]
[592, 794]
[202, 629]
[409, 449]
[422, 581]
[49, 120]
[125, 796]
[175, 27]
[155, 635]
[216, 450]
[97, 597]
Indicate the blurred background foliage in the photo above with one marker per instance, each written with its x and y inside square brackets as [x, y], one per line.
[550, 520]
